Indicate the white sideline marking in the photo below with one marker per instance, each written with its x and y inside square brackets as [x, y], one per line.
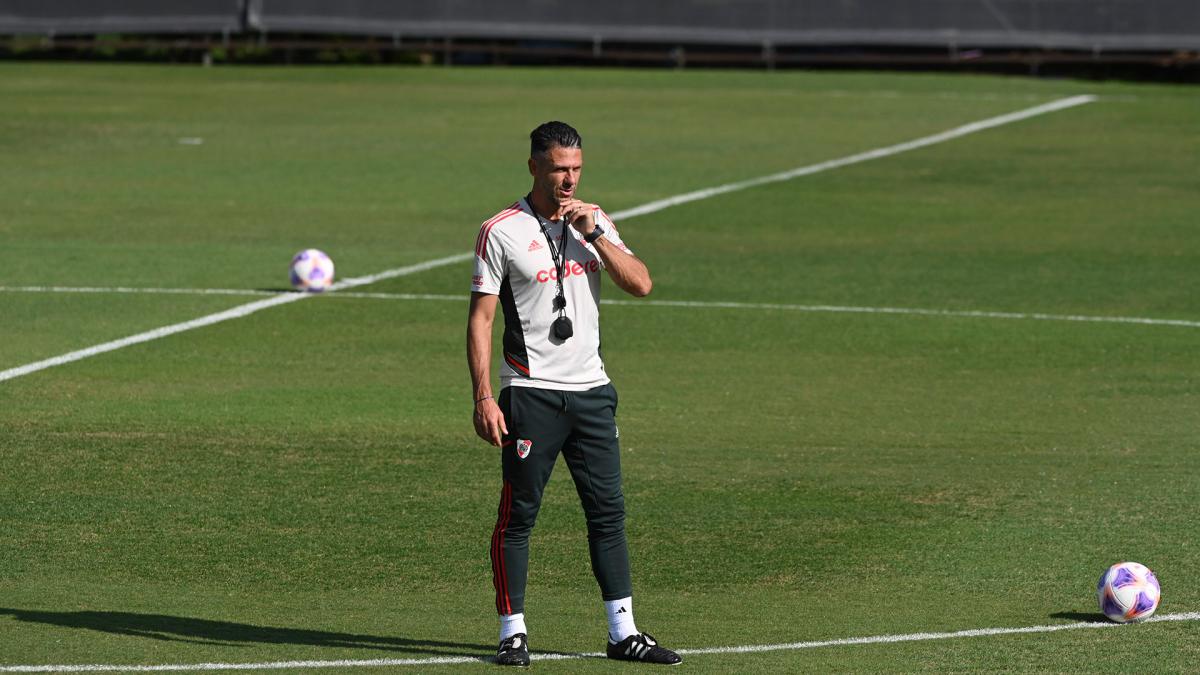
[832, 309]
[446, 660]
[651, 207]
[234, 313]
[944, 136]
[969, 314]
[131, 289]
[951, 95]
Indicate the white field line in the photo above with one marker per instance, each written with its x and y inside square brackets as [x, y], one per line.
[234, 313]
[951, 95]
[917, 311]
[651, 207]
[832, 309]
[136, 290]
[878, 153]
[210, 319]
[449, 660]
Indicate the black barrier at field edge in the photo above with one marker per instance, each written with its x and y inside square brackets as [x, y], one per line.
[1082, 25]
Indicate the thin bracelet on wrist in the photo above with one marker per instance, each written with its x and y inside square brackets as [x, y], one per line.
[482, 399]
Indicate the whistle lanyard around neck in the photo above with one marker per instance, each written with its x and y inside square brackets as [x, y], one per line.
[558, 253]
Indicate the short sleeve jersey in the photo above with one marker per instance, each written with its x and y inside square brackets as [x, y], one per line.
[513, 260]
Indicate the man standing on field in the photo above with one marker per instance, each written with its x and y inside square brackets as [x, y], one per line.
[541, 259]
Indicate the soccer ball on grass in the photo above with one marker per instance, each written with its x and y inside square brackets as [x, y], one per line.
[1128, 591]
[311, 271]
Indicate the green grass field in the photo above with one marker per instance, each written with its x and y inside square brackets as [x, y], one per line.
[304, 483]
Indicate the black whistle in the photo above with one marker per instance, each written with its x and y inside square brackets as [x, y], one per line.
[562, 328]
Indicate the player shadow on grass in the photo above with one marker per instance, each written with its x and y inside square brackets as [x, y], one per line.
[1086, 617]
[226, 633]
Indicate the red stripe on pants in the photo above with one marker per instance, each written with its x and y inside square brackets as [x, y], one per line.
[499, 574]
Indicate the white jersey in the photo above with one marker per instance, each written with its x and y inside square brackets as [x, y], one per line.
[513, 260]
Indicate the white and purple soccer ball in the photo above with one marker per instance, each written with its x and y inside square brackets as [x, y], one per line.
[312, 271]
[1128, 591]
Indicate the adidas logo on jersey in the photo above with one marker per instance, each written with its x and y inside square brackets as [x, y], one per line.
[535, 246]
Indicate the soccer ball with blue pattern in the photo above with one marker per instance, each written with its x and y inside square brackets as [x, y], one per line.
[1128, 591]
[312, 271]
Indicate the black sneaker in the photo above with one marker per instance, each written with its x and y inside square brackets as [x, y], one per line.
[642, 647]
[514, 651]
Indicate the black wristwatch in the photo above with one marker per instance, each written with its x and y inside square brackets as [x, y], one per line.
[595, 234]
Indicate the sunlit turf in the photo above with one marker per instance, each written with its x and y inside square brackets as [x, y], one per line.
[304, 483]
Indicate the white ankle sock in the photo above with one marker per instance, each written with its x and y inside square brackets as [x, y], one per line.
[620, 619]
[511, 624]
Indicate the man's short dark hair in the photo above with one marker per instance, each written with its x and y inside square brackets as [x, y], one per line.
[553, 134]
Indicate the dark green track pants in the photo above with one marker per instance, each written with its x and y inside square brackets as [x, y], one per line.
[582, 426]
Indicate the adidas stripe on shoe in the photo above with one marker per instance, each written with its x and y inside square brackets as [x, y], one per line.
[644, 648]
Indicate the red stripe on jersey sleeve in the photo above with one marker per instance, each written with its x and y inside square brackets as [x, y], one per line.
[486, 229]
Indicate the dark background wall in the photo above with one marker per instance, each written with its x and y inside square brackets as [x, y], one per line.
[1151, 25]
[85, 17]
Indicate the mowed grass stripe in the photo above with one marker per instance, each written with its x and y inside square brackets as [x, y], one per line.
[650, 207]
[535, 656]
